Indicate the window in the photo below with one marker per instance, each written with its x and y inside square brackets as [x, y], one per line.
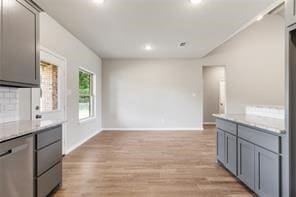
[86, 94]
[49, 87]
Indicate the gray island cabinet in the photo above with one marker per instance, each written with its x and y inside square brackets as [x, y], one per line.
[253, 155]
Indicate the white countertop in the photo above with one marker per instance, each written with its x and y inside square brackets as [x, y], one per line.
[270, 124]
[20, 128]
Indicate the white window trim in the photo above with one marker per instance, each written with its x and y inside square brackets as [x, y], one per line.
[94, 92]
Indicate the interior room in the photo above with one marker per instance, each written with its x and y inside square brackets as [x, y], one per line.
[147, 98]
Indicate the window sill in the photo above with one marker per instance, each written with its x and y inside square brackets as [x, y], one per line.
[85, 120]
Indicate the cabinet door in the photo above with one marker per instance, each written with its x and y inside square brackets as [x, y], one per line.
[290, 12]
[220, 146]
[231, 153]
[267, 176]
[246, 163]
[20, 37]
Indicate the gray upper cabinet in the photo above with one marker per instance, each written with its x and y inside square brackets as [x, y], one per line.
[19, 44]
[220, 146]
[290, 12]
[231, 153]
[246, 163]
[267, 177]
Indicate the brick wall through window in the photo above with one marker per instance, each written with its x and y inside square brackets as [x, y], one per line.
[49, 87]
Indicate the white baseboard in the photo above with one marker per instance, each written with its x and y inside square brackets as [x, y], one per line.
[209, 123]
[69, 150]
[152, 129]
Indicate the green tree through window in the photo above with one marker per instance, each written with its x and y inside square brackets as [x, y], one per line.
[85, 94]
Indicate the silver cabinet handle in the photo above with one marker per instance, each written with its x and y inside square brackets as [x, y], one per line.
[13, 151]
[3, 154]
[38, 116]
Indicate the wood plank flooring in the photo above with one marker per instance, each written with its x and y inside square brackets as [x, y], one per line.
[148, 164]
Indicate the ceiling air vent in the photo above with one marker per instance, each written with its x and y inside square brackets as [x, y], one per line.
[182, 44]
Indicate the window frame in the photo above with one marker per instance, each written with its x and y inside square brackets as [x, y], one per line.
[92, 95]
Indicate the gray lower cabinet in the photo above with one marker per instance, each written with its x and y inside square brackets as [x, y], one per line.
[220, 146]
[267, 177]
[49, 181]
[19, 65]
[246, 163]
[48, 156]
[253, 155]
[231, 153]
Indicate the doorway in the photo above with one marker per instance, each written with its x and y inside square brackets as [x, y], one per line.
[214, 93]
[49, 101]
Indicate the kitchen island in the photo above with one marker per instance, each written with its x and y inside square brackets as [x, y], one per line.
[254, 149]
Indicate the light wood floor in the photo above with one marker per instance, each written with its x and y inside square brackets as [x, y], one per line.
[152, 164]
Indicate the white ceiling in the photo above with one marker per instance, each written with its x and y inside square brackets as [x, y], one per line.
[121, 28]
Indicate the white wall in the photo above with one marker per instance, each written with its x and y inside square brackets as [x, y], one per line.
[212, 75]
[139, 93]
[254, 61]
[152, 94]
[57, 39]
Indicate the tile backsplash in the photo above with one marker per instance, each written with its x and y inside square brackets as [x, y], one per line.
[9, 104]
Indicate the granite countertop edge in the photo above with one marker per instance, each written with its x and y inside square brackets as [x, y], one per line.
[272, 129]
[22, 128]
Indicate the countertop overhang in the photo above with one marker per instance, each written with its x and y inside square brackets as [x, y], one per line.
[274, 125]
[21, 128]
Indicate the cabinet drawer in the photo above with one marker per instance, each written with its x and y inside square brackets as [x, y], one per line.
[49, 181]
[48, 156]
[227, 126]
[268, 141]
[49, 136]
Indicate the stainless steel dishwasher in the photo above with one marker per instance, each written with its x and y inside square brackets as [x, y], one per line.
[16, 168]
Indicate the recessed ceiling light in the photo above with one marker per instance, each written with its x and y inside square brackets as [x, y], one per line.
[259, 18]
[148, 47]
[99, 1]
[195, 1]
